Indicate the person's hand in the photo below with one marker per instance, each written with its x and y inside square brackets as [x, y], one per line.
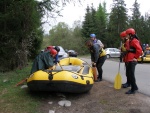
[135, 59]
[56, 64]
[52, 67]
[93, 64]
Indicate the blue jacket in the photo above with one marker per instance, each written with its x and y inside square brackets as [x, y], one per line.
[56, 59]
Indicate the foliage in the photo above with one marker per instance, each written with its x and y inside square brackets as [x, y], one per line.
[77, 40]
[19, 28]
[101, 23]
[117, 22]
[68, 38]
[145, 34]
[106, 26]
[60, 35]
[106, 29]
[21, 32]
[136, 16]
[89, 22]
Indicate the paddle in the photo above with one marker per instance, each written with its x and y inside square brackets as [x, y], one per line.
[60, 66]
[94, 69]
[21, 82]
[118, 80]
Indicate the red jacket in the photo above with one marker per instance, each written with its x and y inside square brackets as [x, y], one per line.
[134, 43]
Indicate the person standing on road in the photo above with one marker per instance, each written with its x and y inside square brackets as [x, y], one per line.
[93, 38]
[44, 60]
[98, 57]
[134, 52]
[124, 48]
[102, 56]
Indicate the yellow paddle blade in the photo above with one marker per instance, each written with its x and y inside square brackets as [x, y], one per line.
[118, 81]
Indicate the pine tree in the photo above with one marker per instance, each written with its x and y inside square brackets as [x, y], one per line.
[136, 16]
[88, 26]
[101, 22]
[117, 22]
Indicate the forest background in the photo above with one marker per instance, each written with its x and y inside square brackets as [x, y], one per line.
[22, 36]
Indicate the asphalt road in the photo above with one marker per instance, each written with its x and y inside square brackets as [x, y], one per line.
[142, 74]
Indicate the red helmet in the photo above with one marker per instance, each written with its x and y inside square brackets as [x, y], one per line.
[123, 34]
[48, 48]
[130, 31]
[53, 51]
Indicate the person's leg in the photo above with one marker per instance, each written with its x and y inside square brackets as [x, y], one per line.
[134, 87]
[120, 58]
[99, 65]
[128, 83]
[133, 80]
[128, 78]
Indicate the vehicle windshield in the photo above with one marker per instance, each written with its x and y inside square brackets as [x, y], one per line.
[61, 49]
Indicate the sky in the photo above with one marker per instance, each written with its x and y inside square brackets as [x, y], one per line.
[75, 12]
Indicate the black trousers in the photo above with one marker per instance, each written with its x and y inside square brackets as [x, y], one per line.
[127, 74]
[99, 65]
[130, 72]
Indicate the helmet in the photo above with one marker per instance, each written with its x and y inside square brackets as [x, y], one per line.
[92, 35]
[48, 48]
[57, 48]
[53, 51]
[130, 31]
[123, 34]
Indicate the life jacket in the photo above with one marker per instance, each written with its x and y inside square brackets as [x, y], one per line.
[102, 52]
[123, 49]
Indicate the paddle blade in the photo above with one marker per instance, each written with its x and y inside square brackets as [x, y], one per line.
[118, 81]
[94, 69]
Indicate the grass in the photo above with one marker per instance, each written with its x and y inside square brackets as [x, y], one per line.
[14, 99]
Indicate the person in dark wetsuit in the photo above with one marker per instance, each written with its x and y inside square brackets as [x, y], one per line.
[98, 57]
[56, 59]
[44, 60]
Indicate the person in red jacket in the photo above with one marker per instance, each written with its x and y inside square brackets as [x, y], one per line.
[134, 52]
[124, 48]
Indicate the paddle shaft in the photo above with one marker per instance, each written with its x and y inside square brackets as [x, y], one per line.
[119, 68]
[21, 82]
[60, 66]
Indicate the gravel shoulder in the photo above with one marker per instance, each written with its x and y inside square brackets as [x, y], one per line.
[102, 98]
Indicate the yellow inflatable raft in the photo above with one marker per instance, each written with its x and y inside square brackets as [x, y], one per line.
[73, 75]
[145, 59]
